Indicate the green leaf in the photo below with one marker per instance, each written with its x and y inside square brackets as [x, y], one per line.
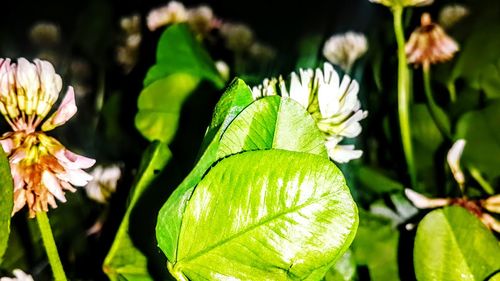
[179, 51]
[235, 99]
[426, 141]
[263, 215]
[123, 259]
[481, 131]
[375, 181]
[376, 246]
[478, 63]
[452, 244]
[6, 202]
[273, 122]
[160, 106]
[343, 270]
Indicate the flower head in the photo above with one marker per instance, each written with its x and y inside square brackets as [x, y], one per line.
[173, 12]
[403, 3]
[104, 182]
[19, 276]
[42, 168]
[333, 103]
[45, 34]
[429, 44]
[452, 14]
[344, 49]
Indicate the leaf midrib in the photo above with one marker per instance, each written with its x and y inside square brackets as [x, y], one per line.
[455, 242]
[252, 227]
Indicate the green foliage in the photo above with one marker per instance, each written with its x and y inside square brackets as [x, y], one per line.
[452, 244]
[478, 61]
[235, 99]
[6, 202]
[160, 106]
[375, 246]
[481, 131]
[276, 142]
[179, 51]
[343, 270]
[181, 65]
[124, 260]
[279, 222]
[266, 124]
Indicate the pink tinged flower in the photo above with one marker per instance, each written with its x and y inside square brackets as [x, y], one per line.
[52, 184]
[42, 168]
[429, 44]
[66, 110]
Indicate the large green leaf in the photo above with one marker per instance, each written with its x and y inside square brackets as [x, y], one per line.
[6, 202]
[160, 106]
[264, 215]
[236, 98]
[179, 51]
[481, 130]
[289, 127]
[272, 122]
[123, 259]
[452, 244]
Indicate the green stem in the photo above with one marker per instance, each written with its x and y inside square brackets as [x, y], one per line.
[453, 91]
[50, 246]
[476, 174]
[434, 109]
[404, 94]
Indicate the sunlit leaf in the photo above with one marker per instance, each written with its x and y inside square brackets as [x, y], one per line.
[124, 259]
[452, 244]
[264, 215]
[272, 122]
[236, 98]
[179, 51]
[343, 270]
[160, 106]
[6, 202]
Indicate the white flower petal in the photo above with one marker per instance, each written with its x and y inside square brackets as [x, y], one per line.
[453, 158]
[66, 110]
[52, 184]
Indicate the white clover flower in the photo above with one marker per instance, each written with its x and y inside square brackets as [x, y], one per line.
[42, 168]
[344, 49]
[333, 104]
[453, 159]
[173, 12]
[19, 276]
[452, 14]
[104, 182]
[403, 3]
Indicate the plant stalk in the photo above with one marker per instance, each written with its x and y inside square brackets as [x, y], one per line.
[404, 94]
[476, 174]
[50, 246]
